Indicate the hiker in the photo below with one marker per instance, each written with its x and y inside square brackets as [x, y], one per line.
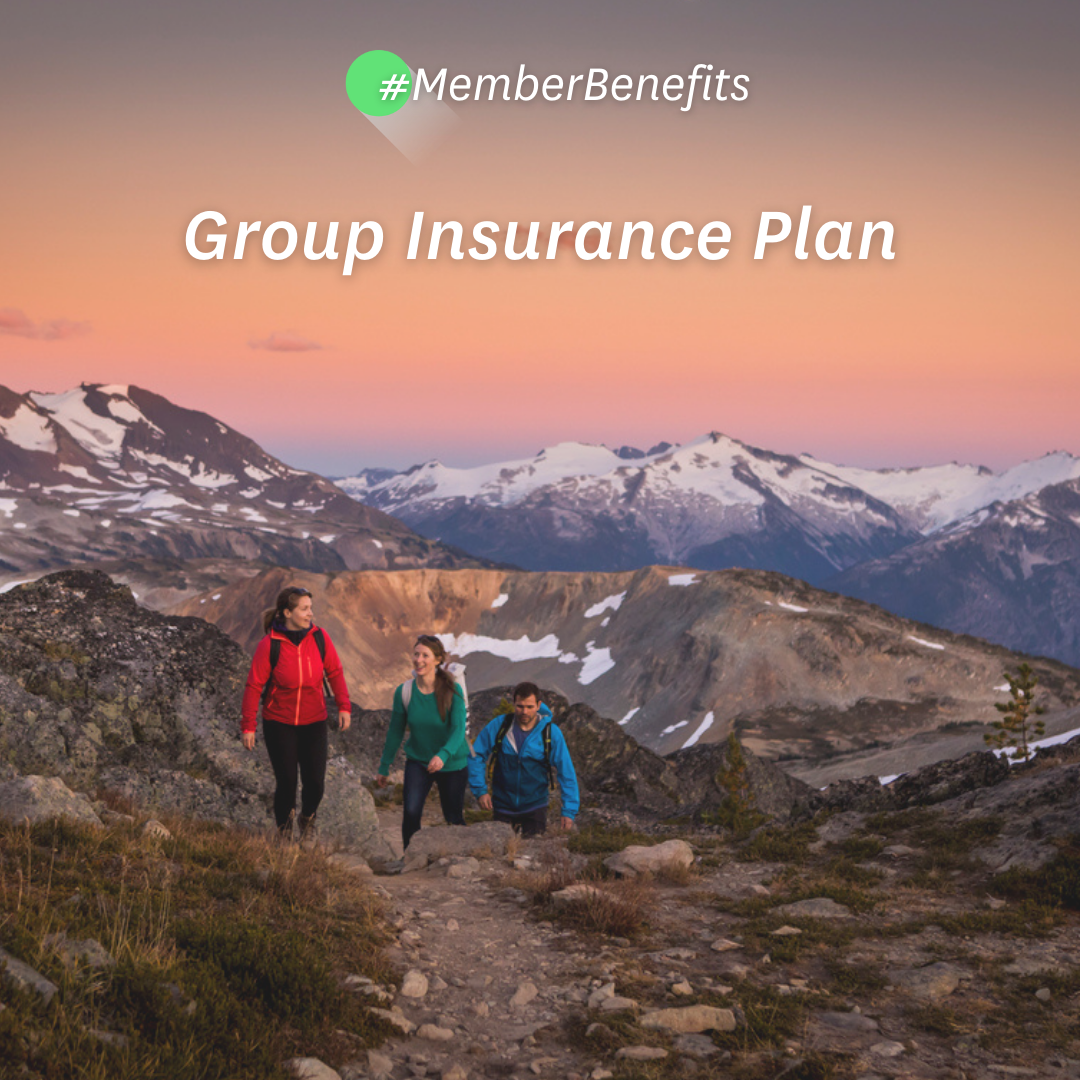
[291, 664]
[432, 706]
[515, 762]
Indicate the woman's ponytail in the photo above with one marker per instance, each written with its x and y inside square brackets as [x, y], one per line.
[444, 683]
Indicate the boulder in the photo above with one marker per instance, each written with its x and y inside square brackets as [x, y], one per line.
[819, 907]
[692, 1019]
[933, 982]
[487, 839]
[24, 977]
[310, 1068]
[637, 859]
[43, 798]
[641, 1053]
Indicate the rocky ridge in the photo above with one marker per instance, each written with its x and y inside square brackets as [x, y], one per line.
[679, 659]
[106, 473]
[106, 695]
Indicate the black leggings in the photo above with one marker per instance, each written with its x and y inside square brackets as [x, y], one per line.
[418, 783]
[291, 746]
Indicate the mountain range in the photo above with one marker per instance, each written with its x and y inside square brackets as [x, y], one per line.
[104, 473]
[678, 658]
[995, 554]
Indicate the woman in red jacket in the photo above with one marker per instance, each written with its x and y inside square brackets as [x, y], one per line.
[290, 663]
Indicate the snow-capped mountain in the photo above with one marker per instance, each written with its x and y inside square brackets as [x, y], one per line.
[713, 503]
[112, 472]
[1009, 572]
[932, 497]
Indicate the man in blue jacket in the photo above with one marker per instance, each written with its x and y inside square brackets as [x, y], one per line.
[527, 752]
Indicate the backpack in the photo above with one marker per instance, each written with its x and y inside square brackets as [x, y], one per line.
[455, 671]
[496, 748]
[275, 656]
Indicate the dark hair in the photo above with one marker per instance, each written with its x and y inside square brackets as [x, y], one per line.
[287, 599]
[444, 684]
[526, 689]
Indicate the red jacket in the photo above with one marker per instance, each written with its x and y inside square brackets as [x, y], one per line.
[296, 689]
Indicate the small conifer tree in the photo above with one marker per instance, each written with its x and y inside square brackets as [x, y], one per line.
[737, 812]
[1016, 729]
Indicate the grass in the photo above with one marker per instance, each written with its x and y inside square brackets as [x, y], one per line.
[229, 954]
[778, 844]
[1056, 884]
[599, 839]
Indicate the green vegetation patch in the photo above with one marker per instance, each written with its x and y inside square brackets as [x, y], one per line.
[597, 838]
[229, 954]
[789, 844]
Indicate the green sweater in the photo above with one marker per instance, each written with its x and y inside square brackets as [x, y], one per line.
[429, 734]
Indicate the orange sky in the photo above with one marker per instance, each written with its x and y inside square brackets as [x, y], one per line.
[956, 122]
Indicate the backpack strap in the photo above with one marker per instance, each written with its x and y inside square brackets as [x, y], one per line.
[406, 696]
[496, 748]
[275, 656]
[546, 734]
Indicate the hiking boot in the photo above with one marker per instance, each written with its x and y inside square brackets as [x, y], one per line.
[285, 832]
[309, 831]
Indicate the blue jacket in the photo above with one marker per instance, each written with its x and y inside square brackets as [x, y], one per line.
[520, 781]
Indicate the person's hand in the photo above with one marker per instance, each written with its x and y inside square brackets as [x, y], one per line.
[435, 764]
[566, 824]
[382, 781]
[343, 720]
[485, 802]
[248, 739]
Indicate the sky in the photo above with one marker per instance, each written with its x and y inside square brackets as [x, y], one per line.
[957, 122]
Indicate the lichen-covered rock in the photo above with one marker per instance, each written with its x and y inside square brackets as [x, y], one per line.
[43, 798]
[99, 692]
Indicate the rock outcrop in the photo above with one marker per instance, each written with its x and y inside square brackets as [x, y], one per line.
[102, 693]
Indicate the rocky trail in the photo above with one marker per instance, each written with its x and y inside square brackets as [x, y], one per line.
[736, 967]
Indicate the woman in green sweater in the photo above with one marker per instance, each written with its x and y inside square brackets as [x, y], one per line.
[433, 709]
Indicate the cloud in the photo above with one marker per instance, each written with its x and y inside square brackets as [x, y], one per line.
[287, 342]
[16, 322]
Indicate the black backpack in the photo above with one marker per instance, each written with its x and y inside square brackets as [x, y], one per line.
[275, 656]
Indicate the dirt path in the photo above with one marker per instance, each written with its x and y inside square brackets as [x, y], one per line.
[491, 990]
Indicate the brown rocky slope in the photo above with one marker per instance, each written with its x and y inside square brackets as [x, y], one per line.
[678, 658]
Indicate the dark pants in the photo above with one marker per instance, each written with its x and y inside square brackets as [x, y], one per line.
[532, 823]
[418, 783]
[292, 747]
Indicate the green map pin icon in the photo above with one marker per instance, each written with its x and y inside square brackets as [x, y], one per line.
[378, 82]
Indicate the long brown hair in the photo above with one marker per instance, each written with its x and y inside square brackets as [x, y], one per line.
[287, 599]
[444, 684]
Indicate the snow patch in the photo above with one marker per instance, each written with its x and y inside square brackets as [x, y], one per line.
[29, 430]
[682, 579]
[500, 600]
[8, 586]
[699, 730]
[514, 649]
[928, 644]
[609, 603]
[597, 663]
[791, 607]
[630, 715]
[885, 780]
[675, 727]
[8, 506]
[377, 543]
